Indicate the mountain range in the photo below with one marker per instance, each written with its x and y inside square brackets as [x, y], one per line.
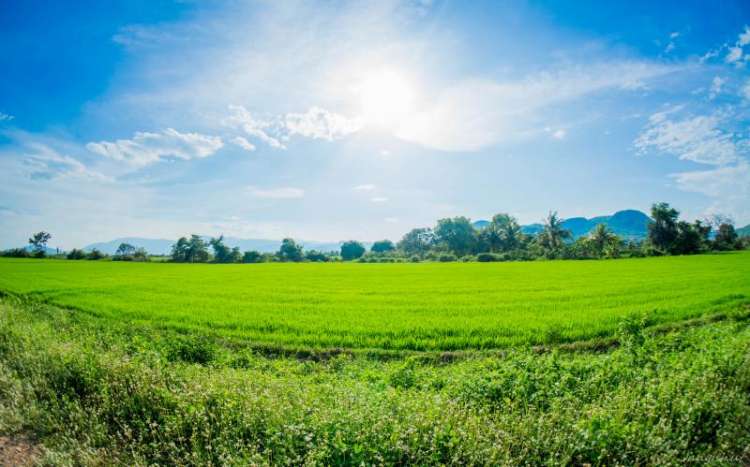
[629, 224]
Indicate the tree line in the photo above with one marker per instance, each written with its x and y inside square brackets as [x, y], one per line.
[456, 239]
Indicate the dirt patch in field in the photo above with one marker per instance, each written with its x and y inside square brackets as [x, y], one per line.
[18, 450]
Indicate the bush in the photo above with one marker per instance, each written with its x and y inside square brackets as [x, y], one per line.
[15, 253]
[415, 259]
[252, 257]
[95, 255]
[447, 258]
[75, 253]
[487, 258]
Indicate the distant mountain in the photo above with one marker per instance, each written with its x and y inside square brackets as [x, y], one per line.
[629, 224]
[154, 246]
[744, 231]
[164, 246]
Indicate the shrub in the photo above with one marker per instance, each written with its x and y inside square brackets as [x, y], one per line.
[75, 253]
[487, 258]
[15, 253]
[95, 255]
[415, 259]
[447, 258]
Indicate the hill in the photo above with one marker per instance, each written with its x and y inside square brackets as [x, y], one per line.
[629, 224]
[744, 231]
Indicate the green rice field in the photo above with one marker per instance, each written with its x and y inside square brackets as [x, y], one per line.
[426, 306]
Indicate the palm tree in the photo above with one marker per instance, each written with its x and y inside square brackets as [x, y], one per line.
[604, 241]
[491, 236]
[509, 230]
[554, 234]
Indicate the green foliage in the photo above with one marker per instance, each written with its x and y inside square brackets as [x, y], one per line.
[222, 252]
[39, 242]
[317, 256]
[417, 242]
[662, 231]
[383, 246]
[487, 257]
[351, 250]
[726, 238]
[553, 233]
[193, 250]
[76, 254]
[252, 256]
[95, 255]
[290, 251]
[15, 253]
[427, 306]
[98, 391]
[456, 234]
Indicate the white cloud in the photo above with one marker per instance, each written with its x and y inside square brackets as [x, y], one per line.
[716, 85]
[391, 220]
[46, 163]
[6, 117]
[559, 134]
[744, 38]
[634, 86]
[147, 148]
[698, 139]
[704, 139]
[319, 123]
[366, 187]
[746, 90]
[674, 35]
[316, 123]
[379, 200]
[277, 193]
[670, 47]
[258, 128]
[734, 55]
[243, 143]
[477, 113]
[725, 182]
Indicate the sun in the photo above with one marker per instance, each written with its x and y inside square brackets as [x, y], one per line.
[386, 98]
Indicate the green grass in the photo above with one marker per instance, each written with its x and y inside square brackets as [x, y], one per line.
[452, 306]
[98, 392]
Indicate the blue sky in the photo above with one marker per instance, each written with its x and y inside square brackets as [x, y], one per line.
[336, 120]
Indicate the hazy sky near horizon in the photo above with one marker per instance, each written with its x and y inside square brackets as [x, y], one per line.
[336, 120]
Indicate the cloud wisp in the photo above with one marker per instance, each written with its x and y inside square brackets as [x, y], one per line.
[148, 148]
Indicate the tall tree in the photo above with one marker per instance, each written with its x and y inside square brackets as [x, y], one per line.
[417, 242]
[604, 241]
[197, 251]
[662, 231]
[553, 233]
[382, 246]
[511, 236]
[290, 251]
[39, 242]
[352, 249]
[457, 234]
[726, 237]
[222, 252]
[125, 249]
[490, 237]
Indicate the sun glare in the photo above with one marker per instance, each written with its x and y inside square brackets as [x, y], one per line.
[386, 98]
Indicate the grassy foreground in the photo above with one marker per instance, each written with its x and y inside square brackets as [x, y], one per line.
[102, 392]
[440, 307]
